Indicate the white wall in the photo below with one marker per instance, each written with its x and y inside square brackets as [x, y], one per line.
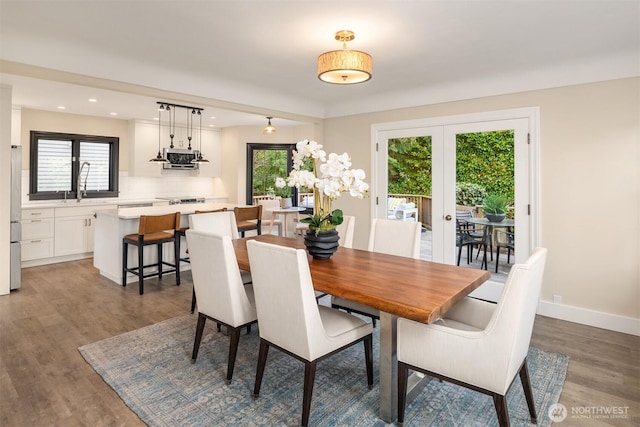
[590, 188]
[234, 149]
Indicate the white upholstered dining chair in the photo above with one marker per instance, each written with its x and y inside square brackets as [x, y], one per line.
[222, 297]
[267, 206]
[291, 320]
[222, 223]
[401, 238]
[477, 344]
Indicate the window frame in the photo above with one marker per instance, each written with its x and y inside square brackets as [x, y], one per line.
[256, 146]
[75, 139]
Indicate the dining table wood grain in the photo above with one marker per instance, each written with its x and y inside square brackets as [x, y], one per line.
[415, 289]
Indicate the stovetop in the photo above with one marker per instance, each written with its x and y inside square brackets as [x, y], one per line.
[179, 200]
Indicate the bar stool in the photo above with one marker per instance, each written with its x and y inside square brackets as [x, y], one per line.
[248, 218]
[152, 230]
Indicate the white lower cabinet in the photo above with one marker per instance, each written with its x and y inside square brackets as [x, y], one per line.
[38, 226]
[74, 235]
[36, 249]
[74, 229]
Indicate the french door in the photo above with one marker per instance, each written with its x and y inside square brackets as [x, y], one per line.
[444, 140]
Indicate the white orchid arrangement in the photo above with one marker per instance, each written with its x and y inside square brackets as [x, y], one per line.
[331, 176]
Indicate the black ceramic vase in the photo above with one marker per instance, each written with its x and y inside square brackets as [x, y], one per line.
[322, 245]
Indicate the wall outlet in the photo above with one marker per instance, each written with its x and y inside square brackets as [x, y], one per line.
[557, 299]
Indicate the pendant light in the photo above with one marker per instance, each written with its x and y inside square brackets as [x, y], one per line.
[344, 67]
[269, 128]
[200, 159]
[159, 158]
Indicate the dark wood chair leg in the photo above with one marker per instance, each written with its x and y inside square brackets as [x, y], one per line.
[125, 250]
[528, 392]
[193, 301]
[262, 361]
[368, 358]
[373, 321]
[403, 371]
[233, 350]
[309, 378]
[202, 319]
[248, 329]
[500, 402]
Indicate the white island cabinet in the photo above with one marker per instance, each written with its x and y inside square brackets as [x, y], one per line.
[112, 225]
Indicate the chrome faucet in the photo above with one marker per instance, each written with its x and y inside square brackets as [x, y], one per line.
[79, 188]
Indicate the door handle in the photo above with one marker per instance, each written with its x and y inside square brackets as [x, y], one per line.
[448, 217]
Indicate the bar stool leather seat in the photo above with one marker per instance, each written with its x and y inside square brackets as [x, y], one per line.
[152, 230]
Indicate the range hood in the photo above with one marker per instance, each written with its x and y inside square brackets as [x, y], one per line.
[180, 158]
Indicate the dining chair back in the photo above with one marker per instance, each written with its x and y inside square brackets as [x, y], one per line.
[180, 232]
[400, 238]
[152, 230]
[218, 285]
[267, 206]
[478, 344]
[292, 321]
[248, 218]
[222, 223]
[345, 231]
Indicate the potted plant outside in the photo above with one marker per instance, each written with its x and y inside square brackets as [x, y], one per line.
[495, 207]
[284, 191]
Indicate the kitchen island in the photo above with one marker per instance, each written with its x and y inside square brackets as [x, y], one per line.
[113, 224]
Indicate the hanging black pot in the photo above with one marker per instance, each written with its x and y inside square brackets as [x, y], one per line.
[322, 245]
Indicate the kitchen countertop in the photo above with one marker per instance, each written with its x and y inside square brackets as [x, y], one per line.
[70, 203]
[185, 209]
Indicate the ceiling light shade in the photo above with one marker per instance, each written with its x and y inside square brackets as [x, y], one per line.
[269, 128]
[345, 66]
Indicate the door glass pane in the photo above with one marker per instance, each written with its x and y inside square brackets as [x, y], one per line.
[267, 166]
[409, 185]
[54, 165]
[484, 167]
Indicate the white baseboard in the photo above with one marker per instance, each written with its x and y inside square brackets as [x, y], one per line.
[612, 322]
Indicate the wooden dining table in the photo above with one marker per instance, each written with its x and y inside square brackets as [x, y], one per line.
[399, 287]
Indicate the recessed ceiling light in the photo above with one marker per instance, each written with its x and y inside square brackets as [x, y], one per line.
[212, 117]
[155, 118]
[61, 107]
[212, 126]
[93, 100]
[113, 114]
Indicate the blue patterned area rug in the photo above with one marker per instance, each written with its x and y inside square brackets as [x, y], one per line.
[150, 368]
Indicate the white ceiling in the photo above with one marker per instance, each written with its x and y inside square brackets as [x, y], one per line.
[261, 55]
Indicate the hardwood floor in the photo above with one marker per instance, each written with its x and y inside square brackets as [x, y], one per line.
[44, 381]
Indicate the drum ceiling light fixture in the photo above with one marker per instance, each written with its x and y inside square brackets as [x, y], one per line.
[344, 66]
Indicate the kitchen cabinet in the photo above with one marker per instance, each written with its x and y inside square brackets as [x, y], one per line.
[74, 229]
[37, 233]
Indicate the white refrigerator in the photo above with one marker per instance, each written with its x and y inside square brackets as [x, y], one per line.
[16, 214]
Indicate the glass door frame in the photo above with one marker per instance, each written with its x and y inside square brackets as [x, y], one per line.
[255, 146]
[381, 132]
